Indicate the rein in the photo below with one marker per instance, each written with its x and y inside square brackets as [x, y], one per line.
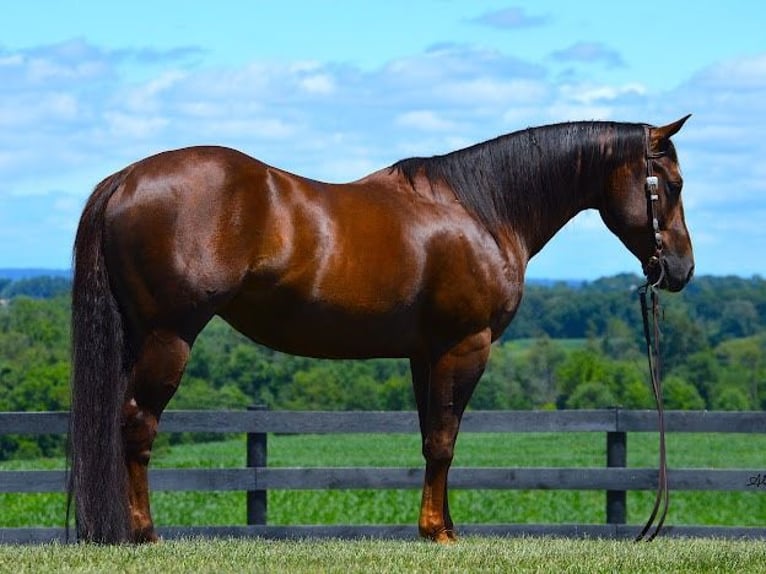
[650, 314]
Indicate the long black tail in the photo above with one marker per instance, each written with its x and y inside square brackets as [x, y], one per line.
[100, 363]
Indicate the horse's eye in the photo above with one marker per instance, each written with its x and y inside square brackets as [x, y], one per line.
[674, 187]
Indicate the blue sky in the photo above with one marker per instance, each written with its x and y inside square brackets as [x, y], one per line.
[336, 89]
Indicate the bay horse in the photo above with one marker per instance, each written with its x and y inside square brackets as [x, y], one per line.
[423, 260]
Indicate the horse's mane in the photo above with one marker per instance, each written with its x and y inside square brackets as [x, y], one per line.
[512, 177]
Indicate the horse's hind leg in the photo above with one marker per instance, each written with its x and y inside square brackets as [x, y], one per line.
[155, 377]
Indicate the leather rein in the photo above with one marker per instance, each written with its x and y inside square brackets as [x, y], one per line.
[650, 314]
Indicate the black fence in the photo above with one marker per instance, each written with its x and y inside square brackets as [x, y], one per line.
[614, 478]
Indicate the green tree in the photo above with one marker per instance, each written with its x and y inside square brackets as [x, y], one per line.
[582, 366]
[681, 336]
[678, 394]
[199, 394]
[499, 387]
[396, 394]
[744, 366]
[538, 373]
[739, 318]
[731, 399]
[637, 395]
[591, 395]
[619, 340]
[702, 370]
[42, 287]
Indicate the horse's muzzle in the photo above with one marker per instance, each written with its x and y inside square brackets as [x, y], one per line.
[669, 272]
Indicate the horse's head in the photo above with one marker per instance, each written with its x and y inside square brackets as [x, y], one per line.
[643, 208]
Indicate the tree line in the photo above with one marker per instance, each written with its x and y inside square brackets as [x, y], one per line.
[570, 346]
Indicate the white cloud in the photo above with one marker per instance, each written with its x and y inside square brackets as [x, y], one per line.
[426, 120]
[589, 94]
[483, 91]
[589, 52]
[150, 97]
[318, 84]
[255, 128]
[510, 18]
[13, 60]
[565, 111]
[742, 73]
[41, 111]
[122, 125]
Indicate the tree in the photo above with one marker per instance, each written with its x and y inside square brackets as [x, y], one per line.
[681, 337]
[582, 366]
[619, 341]
[744, 366]
[629, 383]
[637, 395]
[198, 394]
[702, 370]
[539, 376]
[41, 287]
[396, 394]
[591, 395]
[678, 394]
[731, 399]
[739, 318]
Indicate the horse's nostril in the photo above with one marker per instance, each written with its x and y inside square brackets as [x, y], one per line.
[690, 274]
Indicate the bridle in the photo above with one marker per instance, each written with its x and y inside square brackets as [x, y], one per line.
[652, 197]
[652, 337]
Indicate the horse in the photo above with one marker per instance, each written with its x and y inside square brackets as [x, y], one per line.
[423, 260]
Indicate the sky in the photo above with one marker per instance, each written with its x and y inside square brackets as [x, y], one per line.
[334, 90]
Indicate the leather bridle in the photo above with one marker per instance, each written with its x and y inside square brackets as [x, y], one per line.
[651, 309]
[652, 197]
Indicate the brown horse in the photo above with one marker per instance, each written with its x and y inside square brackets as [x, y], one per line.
[424, 259]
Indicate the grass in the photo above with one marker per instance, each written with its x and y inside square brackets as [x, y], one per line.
[468, 555]
[401, 506]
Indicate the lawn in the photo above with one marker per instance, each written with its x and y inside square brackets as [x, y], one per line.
[692, 556]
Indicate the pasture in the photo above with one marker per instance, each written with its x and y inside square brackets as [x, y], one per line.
[401, 506]
[693, 556]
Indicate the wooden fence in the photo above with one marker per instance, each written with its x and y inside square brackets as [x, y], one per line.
[615, 478]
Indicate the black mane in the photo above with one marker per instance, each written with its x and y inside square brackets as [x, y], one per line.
[518, 176]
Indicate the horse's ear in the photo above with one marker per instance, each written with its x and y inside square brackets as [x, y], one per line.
[666, 132]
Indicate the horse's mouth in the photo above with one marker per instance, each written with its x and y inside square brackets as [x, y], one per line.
[668, 275]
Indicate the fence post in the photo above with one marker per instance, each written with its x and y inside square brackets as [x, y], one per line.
[257, 456]
[616, 457]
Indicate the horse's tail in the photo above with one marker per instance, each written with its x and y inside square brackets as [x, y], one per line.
[100, 362]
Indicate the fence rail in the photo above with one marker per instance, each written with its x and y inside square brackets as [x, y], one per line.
[616, 479]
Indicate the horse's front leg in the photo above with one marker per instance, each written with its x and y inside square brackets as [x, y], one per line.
[443, 385]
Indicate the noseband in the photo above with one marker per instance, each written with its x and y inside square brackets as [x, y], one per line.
[652, 337]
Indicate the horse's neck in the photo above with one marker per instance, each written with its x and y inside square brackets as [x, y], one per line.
[549, 212]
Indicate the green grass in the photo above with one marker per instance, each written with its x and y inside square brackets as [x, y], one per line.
[401, 506]
[468, 555]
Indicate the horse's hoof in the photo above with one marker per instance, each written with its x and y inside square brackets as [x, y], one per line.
[145, 536]
[442, 536]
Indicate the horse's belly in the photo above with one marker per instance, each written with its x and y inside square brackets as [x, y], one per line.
[324, 329]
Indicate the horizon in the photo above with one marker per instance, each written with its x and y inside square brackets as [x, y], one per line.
[313, 88]
[22, 273]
